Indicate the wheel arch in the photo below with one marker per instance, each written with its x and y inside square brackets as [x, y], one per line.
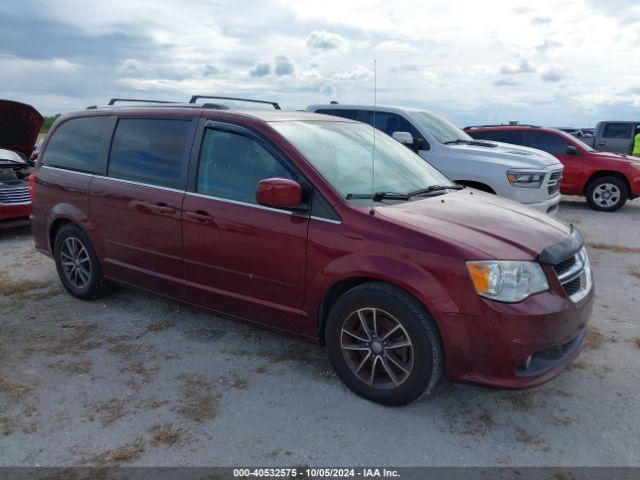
[606, 173]
[64, 214]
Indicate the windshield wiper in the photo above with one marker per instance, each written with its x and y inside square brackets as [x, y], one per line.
[434, 188]
[457, 140]
[378, 196]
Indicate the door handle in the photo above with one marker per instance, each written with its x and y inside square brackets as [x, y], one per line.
[164, 209]
[601, 142]
[199, 216]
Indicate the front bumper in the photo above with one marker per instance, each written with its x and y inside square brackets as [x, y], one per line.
[14, 214]
[549, 206]
[492, 348]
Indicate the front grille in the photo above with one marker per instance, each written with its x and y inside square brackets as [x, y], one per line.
[554, 182]
[14, 195]
[574, 274]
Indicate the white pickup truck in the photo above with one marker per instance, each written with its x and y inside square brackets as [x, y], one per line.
[529, 176]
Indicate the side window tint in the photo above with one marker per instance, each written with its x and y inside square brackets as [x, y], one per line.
[549, 142]
[150, 151]
[231, 165]
[76, 143]
[515, 137]
[391, 122]
[617, 130]
[350, 114]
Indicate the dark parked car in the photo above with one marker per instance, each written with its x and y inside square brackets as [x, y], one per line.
[607, 180]
[268, 218]
[19, 127]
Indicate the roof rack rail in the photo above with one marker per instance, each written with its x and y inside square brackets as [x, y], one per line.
[113, 101]
[196, 97]
[510, 124]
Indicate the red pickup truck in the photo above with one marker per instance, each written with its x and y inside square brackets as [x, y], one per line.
[606, 179]
[19, 127]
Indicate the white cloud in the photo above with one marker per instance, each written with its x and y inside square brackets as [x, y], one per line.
[522, 66]
[323, 40]
[260, 69]
[283, 66]
[358, 74]
[552, 73]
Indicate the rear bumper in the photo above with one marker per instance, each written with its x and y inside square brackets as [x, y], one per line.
[492, 349]
[14, 215]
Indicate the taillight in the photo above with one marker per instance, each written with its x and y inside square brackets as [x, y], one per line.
[32, 183]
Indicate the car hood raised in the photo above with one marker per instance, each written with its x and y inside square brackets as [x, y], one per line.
[19, 126]
[494, 227]
[513, 156]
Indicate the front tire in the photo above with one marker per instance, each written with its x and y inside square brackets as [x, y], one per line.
[607, 194]
[77, 263]
[383, 344]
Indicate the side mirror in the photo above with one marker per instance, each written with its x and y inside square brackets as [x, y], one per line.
[403, 137]
[571, 150]
[280, 193]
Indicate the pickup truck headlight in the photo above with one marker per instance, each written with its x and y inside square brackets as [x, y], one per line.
[507, 281]
[525, 179]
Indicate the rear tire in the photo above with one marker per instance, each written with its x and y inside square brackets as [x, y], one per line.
[607, 194]
[393, 360]
[77, 263]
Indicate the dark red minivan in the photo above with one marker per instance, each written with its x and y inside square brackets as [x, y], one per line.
[270, 218]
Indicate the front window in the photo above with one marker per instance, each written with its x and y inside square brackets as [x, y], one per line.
[442, 129]
[342, 153]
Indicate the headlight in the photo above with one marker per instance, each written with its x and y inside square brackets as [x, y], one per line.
[525, 179]
[507, 281]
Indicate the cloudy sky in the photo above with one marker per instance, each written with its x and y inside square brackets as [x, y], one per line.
[550, 62]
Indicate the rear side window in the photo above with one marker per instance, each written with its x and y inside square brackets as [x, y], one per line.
[350, 114]
[76, 144]
[231, 165]
[548, 142]
[150, 151]
[515, 137]
[617, 130]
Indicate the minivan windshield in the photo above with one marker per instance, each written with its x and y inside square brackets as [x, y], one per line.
[342, 153]
[442, 129]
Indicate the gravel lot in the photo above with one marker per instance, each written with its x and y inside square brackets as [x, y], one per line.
[133, 379]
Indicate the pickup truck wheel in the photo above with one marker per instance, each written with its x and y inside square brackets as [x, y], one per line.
[607, 194]
[77, 263]
[383, 344]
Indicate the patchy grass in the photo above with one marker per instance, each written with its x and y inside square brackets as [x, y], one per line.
[479, 427]
[596, 339]
[199, 400]
[129, 452]
[522, 401]
[74, 367]
[14, 392]
[111, 411]
[634, 273]
[564, 422]
[158, 327]
[613, 247]
[6, 426]
[153, 404]
[167, 435]
[637, 340]
[532, 440]
[261, 369]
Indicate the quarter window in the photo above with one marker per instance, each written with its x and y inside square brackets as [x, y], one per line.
[150, 151]
[231, 165]
[76, 144]
[548, 142]
[617, 130]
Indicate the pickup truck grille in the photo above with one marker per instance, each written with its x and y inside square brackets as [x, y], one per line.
[554, 182]
[19, 194]
[574, 274]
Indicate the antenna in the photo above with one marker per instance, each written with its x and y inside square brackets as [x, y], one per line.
[373, 150]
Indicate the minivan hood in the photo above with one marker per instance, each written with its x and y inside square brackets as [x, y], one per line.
[496, 227]
[19, 126]
[513, 156]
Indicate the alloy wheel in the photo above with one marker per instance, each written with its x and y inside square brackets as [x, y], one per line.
[377, 348]
[75, 261]
[606, 195]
